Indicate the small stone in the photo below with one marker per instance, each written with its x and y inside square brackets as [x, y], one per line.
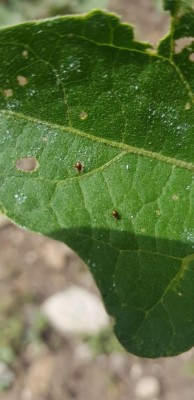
[117, 364]
[34, 351]
[136, 371]
[6, 376]
[55, 254]
[83, 353]
[75, 311]
[38, 378]
[147, 388]
[187, 355]
[3, 221]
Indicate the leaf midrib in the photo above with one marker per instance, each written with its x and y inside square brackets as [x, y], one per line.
[128, 149]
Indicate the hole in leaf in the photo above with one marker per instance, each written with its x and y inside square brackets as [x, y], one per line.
[27, 164]
[22, 80]
[180, 44]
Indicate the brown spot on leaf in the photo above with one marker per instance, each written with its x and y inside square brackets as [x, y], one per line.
[27, 164]
[191, 57]
[22, 80]
[83, 115]
[8, 92]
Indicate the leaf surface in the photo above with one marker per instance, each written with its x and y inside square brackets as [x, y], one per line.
[177, 7]
[106, 127]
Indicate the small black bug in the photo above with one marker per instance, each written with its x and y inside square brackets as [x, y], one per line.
[79, 167]
[115, 214]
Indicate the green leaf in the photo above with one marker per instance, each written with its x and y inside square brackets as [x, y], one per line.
[96, 150]
[177, 6]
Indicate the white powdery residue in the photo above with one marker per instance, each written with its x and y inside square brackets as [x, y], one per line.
[13, 104]
[188, 236]
[6, 136]
[74, 64]
[20, 197]
[32, 93]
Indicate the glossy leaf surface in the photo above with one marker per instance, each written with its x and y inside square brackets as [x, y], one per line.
[97, 150]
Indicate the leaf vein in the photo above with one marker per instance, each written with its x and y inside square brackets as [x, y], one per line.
[129, 149]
